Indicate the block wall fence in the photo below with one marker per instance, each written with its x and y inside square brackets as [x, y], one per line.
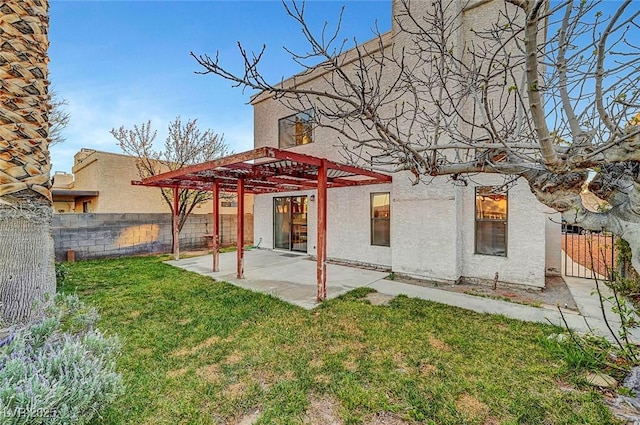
[116, 235]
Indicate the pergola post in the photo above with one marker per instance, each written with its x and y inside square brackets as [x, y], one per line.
[215, 225]
[322, 233]
[174, 215]
[240, 241]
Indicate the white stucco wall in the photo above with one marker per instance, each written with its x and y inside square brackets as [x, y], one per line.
[553, 244]
[424, 229]
[432, 225]
[526, 233]
[348, 224]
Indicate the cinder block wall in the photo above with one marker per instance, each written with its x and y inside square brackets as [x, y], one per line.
[115, 235]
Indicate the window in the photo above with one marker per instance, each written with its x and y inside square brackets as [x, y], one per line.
[380, 219]
[296, 129]
[86, 206]
[229, 204]
[491, 221]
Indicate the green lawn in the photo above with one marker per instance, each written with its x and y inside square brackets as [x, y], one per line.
[203, 352]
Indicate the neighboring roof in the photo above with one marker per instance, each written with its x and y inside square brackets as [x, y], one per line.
[73, 193]
[265, 170]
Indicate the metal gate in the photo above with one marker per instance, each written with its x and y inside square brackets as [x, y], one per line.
[587, 254]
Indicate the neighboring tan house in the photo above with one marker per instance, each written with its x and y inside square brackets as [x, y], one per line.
[101, 183]
[436, 231]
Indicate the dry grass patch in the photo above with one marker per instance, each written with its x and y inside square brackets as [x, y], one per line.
[316, 363]
[471, 407]
[400, 361]
[185, 322]
[234, 358]
[235, 390]
[175, 373]
[210, 373]
[322, 379]
[439, 344]
[350, 365]
[323, 411]
[192, 350]
[249, 418]
[135, 314]
[385, 418]
[350, 327]
[428, 369]
[267, 378]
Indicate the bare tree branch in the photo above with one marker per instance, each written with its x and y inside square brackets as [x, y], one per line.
[185, 145]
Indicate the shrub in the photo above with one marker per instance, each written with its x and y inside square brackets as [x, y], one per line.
[62, 272]
[60, 370]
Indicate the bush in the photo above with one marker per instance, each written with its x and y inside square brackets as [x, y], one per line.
[60, 370]
[62, 272]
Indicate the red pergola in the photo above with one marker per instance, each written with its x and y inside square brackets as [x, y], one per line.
[265, 170]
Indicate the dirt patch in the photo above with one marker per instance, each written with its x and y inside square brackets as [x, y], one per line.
[210, 373]
[554, 293]
[376, 298]
[323, 411]
[428, 369]
[400, 360]
[385, 418]
[192, 350]
[593, 251]
[471, 407]
[249, 418]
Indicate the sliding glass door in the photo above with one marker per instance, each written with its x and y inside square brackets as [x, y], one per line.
[290, 223]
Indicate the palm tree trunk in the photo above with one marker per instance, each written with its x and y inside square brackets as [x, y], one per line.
[27, 275]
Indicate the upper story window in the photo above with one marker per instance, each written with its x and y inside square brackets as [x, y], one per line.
[491, 221]
[296, 129]
[380, 219]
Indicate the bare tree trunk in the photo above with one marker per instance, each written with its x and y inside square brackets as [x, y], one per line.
[27, 273]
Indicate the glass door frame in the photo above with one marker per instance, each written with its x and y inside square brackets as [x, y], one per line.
[304, 201]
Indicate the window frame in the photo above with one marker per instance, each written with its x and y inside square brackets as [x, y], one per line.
[373, 219]
[291, 118]
[490, 220]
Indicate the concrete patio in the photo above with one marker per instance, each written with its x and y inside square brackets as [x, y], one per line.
[285, 275]
[292, 278]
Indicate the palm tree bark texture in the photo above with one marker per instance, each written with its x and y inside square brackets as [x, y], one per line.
[27, 273]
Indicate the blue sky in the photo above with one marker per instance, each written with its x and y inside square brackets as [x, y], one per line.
[125, 62]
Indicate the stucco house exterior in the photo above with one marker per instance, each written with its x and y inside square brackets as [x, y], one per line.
[101, 183]
[436, 231]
